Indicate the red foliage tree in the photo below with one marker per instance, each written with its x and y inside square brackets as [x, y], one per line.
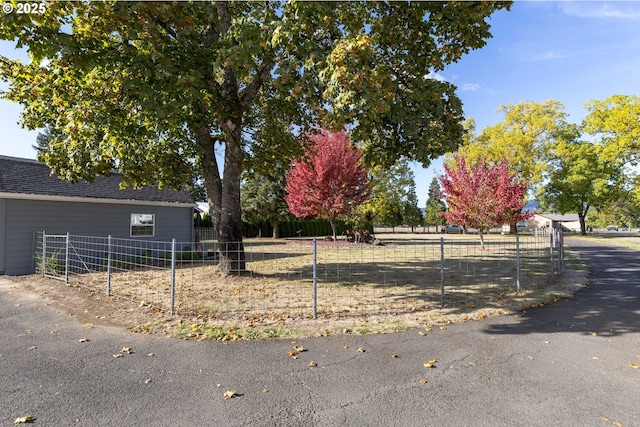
[330, 182]
[483, 195]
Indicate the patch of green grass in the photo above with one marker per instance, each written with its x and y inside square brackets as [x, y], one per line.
[573, 262]
[186, 329]
[207, 331]
[629, 242]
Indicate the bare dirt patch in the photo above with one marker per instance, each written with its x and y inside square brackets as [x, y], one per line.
[88, 306]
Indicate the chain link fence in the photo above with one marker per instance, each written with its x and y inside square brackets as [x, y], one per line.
[304, 278]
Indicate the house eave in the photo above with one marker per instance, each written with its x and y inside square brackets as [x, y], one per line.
[43, 197]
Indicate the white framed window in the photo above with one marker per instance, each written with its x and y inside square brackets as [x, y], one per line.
[143, 225]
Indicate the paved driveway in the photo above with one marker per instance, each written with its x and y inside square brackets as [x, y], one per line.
[564, 364]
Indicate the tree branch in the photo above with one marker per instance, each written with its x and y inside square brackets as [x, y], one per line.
[252, 88]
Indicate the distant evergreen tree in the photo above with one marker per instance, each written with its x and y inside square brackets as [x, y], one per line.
[262, 198]
[44, 139]
[411, 213]
[393, 198]
[195, 188]
[435, 205]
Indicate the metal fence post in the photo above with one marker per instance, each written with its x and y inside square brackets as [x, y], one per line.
[66, 261]
[442, 272]
[173, 275]
[44, 253]
[561, 250]
[315, 279]
[551, 261]
[109, 265]
[517, 263]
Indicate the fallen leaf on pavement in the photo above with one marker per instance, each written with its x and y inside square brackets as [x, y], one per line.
[312, 364]
[147, 381]
[633, 365]
[25, 419]
[593, 334]
[617, 424]
[230, 394]
[394, 356]
[296, 350]
[83, 340]
[360, 350]
[117, 355]
[430, 364]
[127, 350]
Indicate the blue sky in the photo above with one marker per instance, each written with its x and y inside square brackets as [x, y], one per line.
[572, 52]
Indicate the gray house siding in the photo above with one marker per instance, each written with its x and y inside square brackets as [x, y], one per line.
[24, 218]
[33, 199]
[3, 205]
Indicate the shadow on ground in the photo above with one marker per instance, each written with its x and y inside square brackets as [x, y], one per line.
[608, 306]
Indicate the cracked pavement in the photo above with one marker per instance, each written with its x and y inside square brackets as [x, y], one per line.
[567, 363]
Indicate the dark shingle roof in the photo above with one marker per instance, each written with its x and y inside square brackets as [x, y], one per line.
[25, 176]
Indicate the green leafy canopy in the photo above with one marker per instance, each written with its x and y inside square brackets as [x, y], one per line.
[155, 89]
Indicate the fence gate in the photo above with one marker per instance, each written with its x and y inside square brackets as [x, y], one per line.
[52, 258]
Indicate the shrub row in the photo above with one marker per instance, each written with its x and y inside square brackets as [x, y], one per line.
[313, 227]
[294, 228]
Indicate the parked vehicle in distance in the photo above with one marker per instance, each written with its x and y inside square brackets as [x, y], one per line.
[452, 229]
[612, 228]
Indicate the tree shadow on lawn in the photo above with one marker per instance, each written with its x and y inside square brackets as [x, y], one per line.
[412, 286]
[608, 306]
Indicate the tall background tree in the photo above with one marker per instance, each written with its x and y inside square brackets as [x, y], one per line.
[483, 195]
[411, 212]
[580, 179]
[435, 206]
[523, 137]
[263, 198]
[330, 182]
[155, 89]
[613, 122]
[393, 198]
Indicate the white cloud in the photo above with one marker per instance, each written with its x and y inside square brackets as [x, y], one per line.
[470, 87]
[435, 76]
[589, 9]
[477, 87]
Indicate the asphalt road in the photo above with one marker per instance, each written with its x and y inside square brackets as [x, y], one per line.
[565, 364]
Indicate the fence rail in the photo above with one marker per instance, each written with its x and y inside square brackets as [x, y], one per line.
[301, 277]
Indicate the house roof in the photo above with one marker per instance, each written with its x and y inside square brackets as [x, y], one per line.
[28, 177]
[561, 218]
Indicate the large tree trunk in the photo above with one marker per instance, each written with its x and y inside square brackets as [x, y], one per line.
[223, 195]
[274, 229]
[583, 224]
[230, 237]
